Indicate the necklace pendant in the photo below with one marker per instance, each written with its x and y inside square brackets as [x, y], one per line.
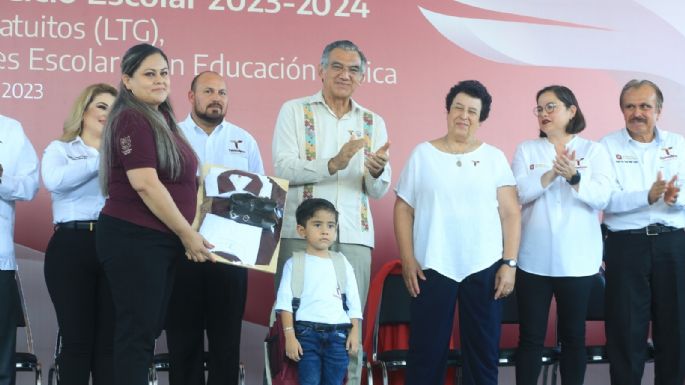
[459, 163]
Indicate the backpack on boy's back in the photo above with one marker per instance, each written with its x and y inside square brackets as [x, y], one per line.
[281, 370]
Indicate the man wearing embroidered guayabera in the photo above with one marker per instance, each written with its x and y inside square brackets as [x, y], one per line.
[328, 146]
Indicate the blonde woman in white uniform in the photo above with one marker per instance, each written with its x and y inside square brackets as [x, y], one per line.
[75, 280]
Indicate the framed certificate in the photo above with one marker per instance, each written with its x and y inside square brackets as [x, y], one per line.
[241, 214]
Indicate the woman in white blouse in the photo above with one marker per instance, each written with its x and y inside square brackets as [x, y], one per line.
[75, 280]
[457, 224]
[563, 183]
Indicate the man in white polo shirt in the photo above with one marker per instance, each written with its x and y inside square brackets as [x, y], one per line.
[645, 245]
[18, 181]
[207, 295]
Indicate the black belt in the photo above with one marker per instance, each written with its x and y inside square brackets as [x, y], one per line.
[77, 225]
[324, 327]
[653, 229]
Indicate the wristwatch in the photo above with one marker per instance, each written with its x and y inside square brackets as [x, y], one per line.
[574, 179]
[510, 262]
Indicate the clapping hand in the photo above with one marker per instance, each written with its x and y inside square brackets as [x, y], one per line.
[660, 188]
[672, 190]
[565, 163]
[375, 162]
[347, 151]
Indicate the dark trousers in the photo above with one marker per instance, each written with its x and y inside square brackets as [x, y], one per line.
[432, 317]
[10, 315]
[139, 264]
[206, 296]
[83, 303]
[534, 295]
[645, 278]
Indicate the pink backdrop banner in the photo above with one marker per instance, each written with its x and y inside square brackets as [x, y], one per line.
[269, 52]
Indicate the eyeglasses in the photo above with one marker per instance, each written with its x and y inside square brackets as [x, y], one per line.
[354, 71]
[548, 108]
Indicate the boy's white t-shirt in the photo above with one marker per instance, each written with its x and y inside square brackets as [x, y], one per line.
[321, 300]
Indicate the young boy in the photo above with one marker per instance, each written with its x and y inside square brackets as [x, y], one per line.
[323, 333]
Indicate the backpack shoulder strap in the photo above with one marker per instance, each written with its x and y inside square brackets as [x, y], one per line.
[340, 269]
[340, 275]
[297, 279]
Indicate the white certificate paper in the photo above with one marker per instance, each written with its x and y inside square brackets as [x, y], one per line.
[232, 237]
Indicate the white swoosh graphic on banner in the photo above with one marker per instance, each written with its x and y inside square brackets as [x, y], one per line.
[644, 36]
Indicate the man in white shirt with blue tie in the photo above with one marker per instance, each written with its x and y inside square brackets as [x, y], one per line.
[18, 182]
[645, 245]
[207, 295]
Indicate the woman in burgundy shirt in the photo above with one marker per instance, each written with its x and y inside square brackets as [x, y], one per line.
[147, 172]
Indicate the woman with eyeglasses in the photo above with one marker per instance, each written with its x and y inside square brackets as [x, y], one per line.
[75, 280]
[563, 181]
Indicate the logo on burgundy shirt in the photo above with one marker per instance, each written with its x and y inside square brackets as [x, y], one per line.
[125, 144]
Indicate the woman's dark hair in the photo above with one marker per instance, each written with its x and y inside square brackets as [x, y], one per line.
[566, 96]
[162, 119]
[474, 89]
[309, 207]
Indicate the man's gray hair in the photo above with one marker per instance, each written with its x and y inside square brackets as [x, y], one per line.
[635, 83]
[345, 45]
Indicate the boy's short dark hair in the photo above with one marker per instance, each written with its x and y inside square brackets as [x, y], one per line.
[308, 207]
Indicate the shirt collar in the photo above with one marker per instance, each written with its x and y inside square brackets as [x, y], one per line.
[657, 135]
[570, 144]
[189, 121]
[318, 98]
[78, 142]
